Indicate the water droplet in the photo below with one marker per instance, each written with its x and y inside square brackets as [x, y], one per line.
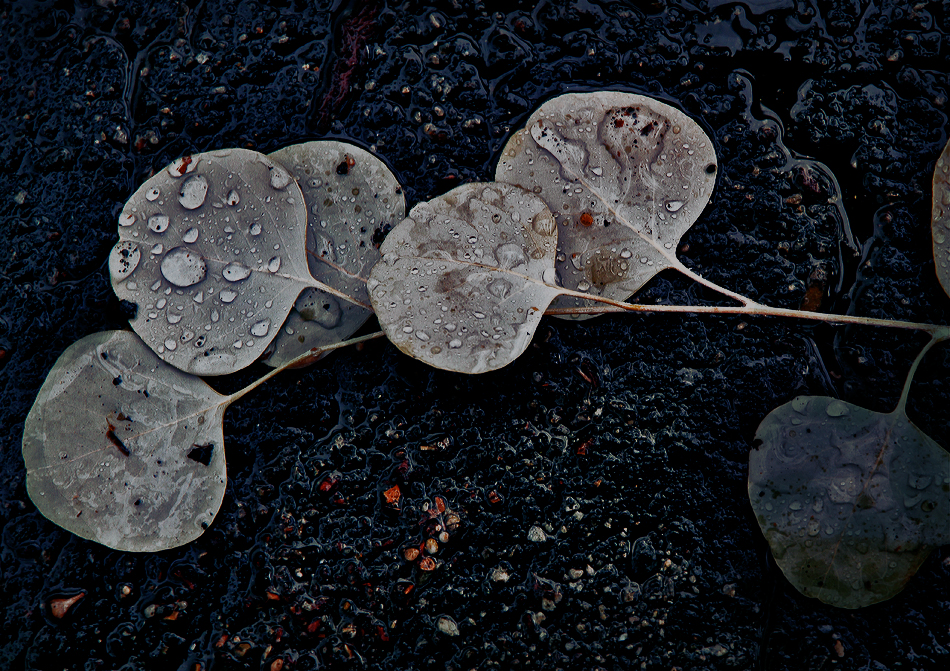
[233, 198]
[800, 403]
[837, 409]
[919, 481]
[157, 249]
[200, 297]
[279, 178]
[422, 335]
[193, 192]
[170, 344]
[161, 303]
[191, 235]
[157, 223]
[255, 229]
[126, 219]
[549, 276]
[544, 223]
[235, 272]
[183, 268]
[510, 255]
[215, 316]
[455, 343]
[261, 328]
[173, 317]
[500, 288]
[123, 259]
[227, 295]
[674, 205]
[583, 285]
[274, 264]
[152, 194]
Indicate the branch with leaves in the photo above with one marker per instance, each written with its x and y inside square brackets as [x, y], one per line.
[589, 202]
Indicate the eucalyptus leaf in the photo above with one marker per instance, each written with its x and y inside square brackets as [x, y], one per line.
[851, 501]
[352, 200]
[625, 175]
[465, 278]
[212, 252]
[940, 220]
[124, 449]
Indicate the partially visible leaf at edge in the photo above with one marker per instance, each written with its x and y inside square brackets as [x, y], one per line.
[211, 252]
[123, 449]
[851, 501]
[352, 200]
[940, 220]
[465, 278]
[625, 175]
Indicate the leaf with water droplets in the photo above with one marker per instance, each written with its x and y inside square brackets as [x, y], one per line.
[625, 175]
[851, 501]
[352, 200]
[940, 220]
[465, 278]
[212, 252]
[124, 449]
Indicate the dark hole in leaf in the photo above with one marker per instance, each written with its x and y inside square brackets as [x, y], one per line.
[128, 309]
[117, 381]
[201, 453]
[343, 168]
[711, 168]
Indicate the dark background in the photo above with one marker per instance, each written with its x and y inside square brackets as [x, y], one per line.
[624, 438]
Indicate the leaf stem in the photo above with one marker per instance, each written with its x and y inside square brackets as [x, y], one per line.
[939, 335]
[752, 308]
[298, 360]
[696, 277]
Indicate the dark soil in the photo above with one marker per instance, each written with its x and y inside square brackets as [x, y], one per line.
[625, 439]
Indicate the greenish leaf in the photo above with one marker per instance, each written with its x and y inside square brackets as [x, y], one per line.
[850, 501]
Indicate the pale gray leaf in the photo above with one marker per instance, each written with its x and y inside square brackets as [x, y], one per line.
[212, 253]
[625, 175]
[352, 200]
[940, 220]
[465, 278]
[851, 501]
[124, 449]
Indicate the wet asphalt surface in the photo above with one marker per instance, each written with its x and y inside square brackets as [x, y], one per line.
[624, 439]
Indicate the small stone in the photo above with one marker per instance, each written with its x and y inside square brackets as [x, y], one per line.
[536, 534]
[447, 625]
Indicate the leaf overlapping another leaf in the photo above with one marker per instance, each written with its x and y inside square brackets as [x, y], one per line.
[625, 176]
[466, 277]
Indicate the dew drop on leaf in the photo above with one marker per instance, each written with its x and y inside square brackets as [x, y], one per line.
[183, 267]
[193, 192]
[123, 259]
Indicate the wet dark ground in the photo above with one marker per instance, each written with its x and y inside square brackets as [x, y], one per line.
[624, 439]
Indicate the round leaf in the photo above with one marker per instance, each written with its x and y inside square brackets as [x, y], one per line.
[123, 449]
[352, 199]
[462, 284]
[940, 220]
[851, 501]
[625, 175]
[212, 253]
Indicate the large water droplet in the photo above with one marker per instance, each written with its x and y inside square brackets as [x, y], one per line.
[261, 328]
[255, 229]
[544, 223]
[126, 219]
[158, 223]
[235, 272]
[227, 295]
[183, 268]
[274, 264]
[152, 194]
[510, 255]
[837, 409]
[233, 198]
[279, 178]
[455, 343]
[674, 205]
[191, 235]
[500, 288]
[193, 192]
[549, 276]
[173, 317]
[123, 259]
